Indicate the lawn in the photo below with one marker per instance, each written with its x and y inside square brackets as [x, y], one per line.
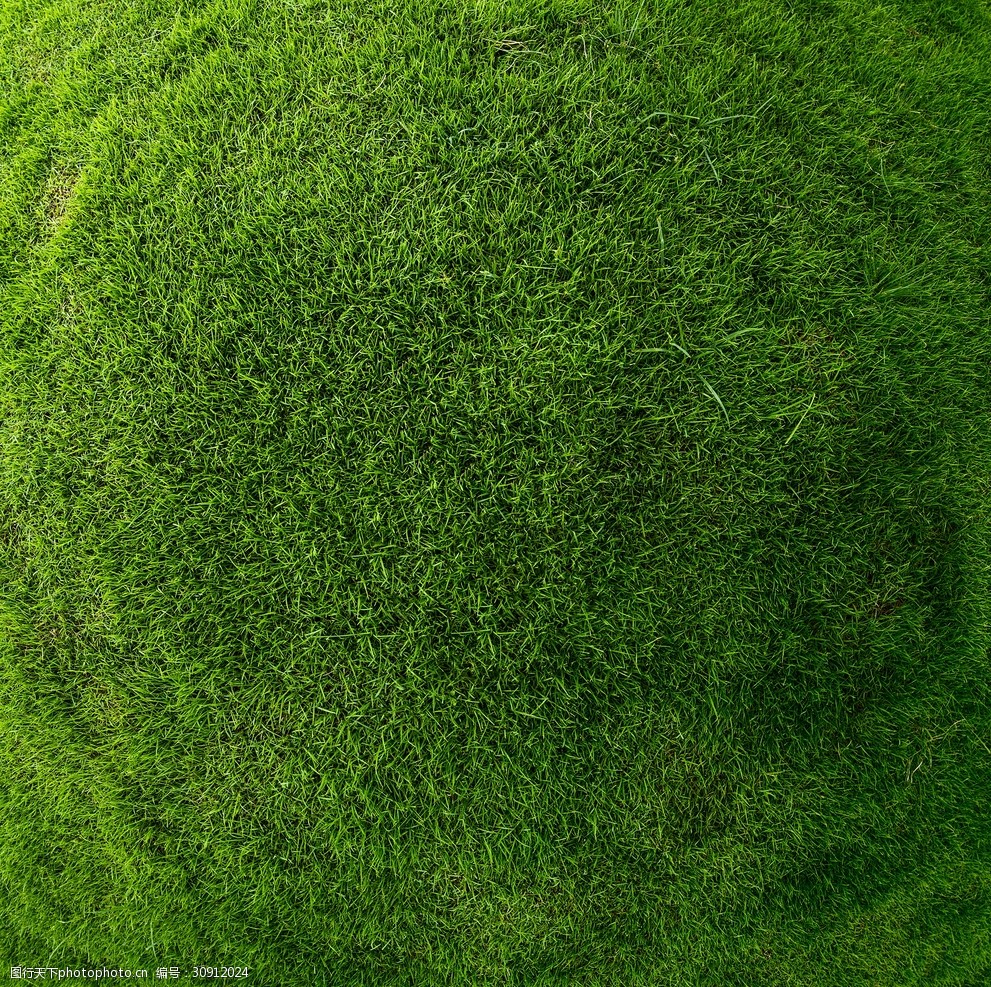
[497, 493]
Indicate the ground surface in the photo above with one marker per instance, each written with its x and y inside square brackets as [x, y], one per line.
[497, 493]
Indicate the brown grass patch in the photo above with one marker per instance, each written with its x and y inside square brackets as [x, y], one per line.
[58, 195]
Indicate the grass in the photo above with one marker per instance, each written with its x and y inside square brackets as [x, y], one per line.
[497, 493]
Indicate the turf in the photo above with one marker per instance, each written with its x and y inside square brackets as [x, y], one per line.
[497, 493]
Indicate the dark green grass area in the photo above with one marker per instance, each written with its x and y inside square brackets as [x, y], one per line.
[497, 493]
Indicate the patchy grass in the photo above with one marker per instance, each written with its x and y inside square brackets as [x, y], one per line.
[496, 494]
[61, 185]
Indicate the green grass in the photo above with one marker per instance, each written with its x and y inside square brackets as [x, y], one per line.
[497, 493]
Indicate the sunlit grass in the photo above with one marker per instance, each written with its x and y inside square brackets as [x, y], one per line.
[496, 494]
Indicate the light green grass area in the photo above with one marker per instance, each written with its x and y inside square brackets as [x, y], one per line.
[497, 493]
